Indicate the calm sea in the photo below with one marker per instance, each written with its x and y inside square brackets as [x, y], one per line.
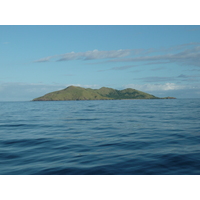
[127, 137]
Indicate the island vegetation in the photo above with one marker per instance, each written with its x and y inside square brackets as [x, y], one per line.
[104, 93]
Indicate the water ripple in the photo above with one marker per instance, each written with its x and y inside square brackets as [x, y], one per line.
[100, 137]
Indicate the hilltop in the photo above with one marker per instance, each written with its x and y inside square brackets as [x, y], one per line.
[104, 93]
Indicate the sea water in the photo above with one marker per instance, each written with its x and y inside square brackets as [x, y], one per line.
[110, 137]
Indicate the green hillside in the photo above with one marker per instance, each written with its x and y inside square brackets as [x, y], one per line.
[104, 93]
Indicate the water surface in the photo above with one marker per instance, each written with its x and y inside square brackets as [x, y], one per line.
[127, 137]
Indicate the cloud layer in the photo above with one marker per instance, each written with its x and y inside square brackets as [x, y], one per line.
[88, 55]
[16, 91]
[168, 89]
[185, 57]
[157, 87]
[184, 54]
[181, 77]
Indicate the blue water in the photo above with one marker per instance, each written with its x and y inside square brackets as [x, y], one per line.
[127, 137]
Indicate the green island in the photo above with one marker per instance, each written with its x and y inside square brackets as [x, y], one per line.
[104, 93]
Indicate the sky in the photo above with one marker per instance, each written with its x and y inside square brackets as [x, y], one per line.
[163, 60]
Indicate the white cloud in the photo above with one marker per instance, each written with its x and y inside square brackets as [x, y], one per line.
[95, 54]
[88, 55]
[181, 77]
[94, 86]
[168, 89]
[18, 91]
[156, 87]
[123, 67]
[46, 59]
[184, 54]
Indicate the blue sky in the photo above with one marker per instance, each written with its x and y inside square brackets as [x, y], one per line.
[160, 60]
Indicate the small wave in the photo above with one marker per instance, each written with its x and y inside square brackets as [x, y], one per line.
[25, 142]
[13, 125]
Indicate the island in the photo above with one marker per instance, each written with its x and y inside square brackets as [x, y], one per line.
[104, 93]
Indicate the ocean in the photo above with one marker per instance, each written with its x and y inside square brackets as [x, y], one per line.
[100, 137]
